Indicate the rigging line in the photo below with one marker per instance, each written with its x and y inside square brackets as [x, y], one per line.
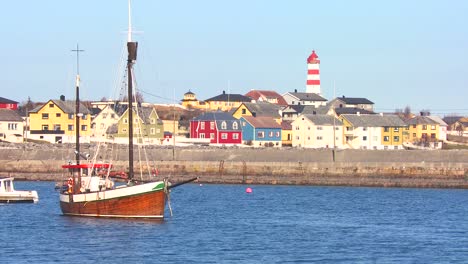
[157, 96]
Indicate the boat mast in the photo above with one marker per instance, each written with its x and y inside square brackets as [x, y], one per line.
[77, 105]
[132, 54]
[77, 117]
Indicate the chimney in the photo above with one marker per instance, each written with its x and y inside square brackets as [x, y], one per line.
[295, 90]
[62, 98]
[224, 92]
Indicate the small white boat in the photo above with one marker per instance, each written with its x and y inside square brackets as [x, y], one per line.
[8, 194]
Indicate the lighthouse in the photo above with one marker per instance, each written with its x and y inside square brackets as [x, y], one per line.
[313, 74]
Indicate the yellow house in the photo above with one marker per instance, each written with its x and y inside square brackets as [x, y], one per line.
[286, 133]
[258, 109]
[226, 102]
[55, 122]
[422, 129]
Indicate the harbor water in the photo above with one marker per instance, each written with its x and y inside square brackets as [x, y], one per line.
[270, 224]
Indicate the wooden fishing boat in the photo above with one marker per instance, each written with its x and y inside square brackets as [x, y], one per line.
[91, 191]
[8, 194]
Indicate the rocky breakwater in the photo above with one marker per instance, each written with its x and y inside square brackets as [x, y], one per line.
[390, 168]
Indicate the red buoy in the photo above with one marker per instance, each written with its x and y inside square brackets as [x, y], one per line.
[248, 190]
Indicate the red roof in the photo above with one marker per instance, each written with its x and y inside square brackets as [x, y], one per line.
[256, 94]
[313, 58]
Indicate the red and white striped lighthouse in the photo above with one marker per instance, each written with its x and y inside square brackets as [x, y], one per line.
[313, 74]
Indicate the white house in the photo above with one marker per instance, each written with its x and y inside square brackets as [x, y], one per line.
[317, 131]
[99, 125]
[11, 126]
[296, 98]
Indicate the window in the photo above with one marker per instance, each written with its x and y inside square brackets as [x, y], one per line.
[12, 126]
[396, 129]
[260, 134]
[433, 127]
[235, 136]
[319, 138]
[337, 128]
[212, 135]
[270, 134]
[223, 135]
[152, 131]
[51, 105]
[424, 127]
[71, 116]
[277, 134]
[124, 130]
[102, 126]
[45, 127]
[386, 138]
[244, 111]
[152, 121]
[386, 129]
[125, 121]
[297, 137]
[58, 115]
[45, 115]
[414, 134]
[364, 129]
[414, 126]
[112, 116]
[234, 125]
[319, 128]
[364, 138]
[84, 127]
[297, 127]
[104, 115]
[433, 135]
[202, 125]
[202, 135]
[308, 138]
[212, 125]
[243, 123]
[70, 127]
[57, 127]
[223, 125]
[396, 139]
[84, 117]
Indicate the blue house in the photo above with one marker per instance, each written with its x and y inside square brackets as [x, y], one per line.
[260, 131]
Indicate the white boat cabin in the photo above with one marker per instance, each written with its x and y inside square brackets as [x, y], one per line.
[8, 194]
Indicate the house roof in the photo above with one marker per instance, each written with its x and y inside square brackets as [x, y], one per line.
[256, 94]
[323, 120]
[68, 107]
[262, 122]
[286, 125]
[352, 110]
[306, 109]
[9, 115]
[354, 100]
[451, 119]
[308, 96]
[438, 120]
[420, 120]
[263, 109]
[224, 97]
[374, 120]
[219, 117]
[7, 101]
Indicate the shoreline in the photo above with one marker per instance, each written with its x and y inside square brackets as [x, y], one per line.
[370, 168]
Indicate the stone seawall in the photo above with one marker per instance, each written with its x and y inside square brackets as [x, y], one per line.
[438, 169]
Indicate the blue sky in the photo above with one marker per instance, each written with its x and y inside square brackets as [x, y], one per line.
[395, 53]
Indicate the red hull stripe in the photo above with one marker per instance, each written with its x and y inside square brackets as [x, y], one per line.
[313, 82]
[87, 166]
[316, 71]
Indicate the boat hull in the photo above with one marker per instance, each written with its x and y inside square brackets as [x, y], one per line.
[19, 197]
[140, 201]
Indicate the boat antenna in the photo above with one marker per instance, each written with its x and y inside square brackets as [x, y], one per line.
[77, 104]
[132, 55]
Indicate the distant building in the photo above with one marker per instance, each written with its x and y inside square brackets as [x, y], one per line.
[261, 131]
[220, 127]
[11, 126]
[8, 104]
[267, 96]
[313, 99]
[313, 74]
[55, 122]
[190, 101]
[352, 102]
[317, 131]
[258, 109]
[226, 102]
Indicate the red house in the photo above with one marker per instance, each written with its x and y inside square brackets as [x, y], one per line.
[219, 127]
[8, 104]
